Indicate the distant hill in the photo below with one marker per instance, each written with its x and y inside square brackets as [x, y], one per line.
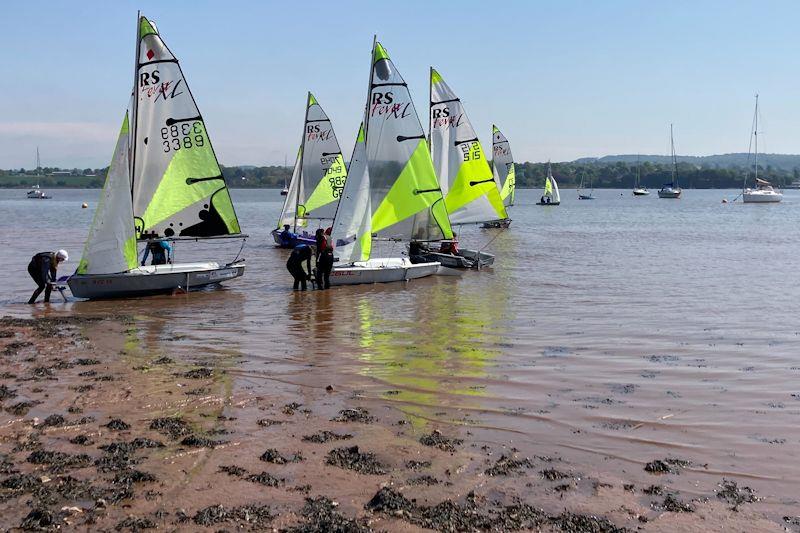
[787, 162]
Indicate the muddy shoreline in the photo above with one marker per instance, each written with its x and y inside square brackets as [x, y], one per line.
[96, 435]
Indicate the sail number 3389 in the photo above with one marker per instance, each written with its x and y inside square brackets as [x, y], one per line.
[182, 136]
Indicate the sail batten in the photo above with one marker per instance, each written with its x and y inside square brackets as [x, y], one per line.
[467, 182]
[176, 183]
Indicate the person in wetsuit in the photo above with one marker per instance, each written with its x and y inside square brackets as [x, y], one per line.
[42, 269]
[294, 265]
[322, 243]
[288, 239]
[324, 267]
[161, 251]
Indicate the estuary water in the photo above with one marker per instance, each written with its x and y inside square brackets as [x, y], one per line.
[609, 332]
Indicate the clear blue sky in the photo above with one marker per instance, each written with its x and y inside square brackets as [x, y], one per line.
[562, 79]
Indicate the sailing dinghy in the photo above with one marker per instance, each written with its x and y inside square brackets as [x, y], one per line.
[391, 193]
[317, 181]
[470, 193]
[638, 189]
[164, 183]
[504, 175]
[551, 195]
[589, 196]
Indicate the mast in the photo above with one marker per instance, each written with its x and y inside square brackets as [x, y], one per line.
[38, 167]
[369, 86]
[300, 162]
[755, 132]
[674, 161]
[135, 102]
[638, 173]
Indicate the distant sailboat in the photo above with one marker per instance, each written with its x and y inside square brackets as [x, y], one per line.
[638, 189]
[392, 193]
[164, 184]
[672, 189]
[551, 195]
[589, 196]
[763, 193]
[317, 181]
[36, 193]
[504, 174]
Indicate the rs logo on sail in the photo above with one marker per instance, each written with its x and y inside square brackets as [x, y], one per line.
[383, 105]
[151, 84]
[441, 118]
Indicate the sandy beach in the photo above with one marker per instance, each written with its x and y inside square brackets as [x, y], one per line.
[96, 436]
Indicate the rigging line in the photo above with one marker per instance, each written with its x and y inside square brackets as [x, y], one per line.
[491, 241]
[244, 241]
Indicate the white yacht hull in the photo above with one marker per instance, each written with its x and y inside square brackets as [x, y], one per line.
[152, 279]
[761, 197]
[381, 271]
[640, 192]
[670, 193]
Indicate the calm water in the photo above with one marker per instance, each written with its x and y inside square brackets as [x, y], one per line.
[613, 331]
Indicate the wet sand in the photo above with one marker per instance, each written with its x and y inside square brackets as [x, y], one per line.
[97, 434]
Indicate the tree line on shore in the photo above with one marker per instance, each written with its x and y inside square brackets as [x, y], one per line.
[616, 175]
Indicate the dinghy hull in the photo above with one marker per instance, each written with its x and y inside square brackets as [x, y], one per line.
[303, 238]
[479, 259]
[381, 271]
[154, 279]
[497, 224]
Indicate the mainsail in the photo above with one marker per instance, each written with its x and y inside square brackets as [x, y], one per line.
[503, 166]
[111, 245]
[405, 196]
[351, 232]
[469, 189]
[319, 179]
[177, 184]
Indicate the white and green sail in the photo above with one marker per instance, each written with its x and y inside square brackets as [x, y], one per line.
[176, 182]
[470, 192]
[551, 187]
[319, 175]
[351, 234]
[289, 211]
[111, 245]
[405, 196]
[503, 166]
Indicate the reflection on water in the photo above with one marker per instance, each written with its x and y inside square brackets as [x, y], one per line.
[627, 328]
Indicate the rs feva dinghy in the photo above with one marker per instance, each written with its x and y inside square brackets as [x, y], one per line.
[317, 181]
[470, 192]
[391, 192]
[164, 183]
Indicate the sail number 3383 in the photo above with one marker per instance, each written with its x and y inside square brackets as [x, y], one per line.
[182, 136]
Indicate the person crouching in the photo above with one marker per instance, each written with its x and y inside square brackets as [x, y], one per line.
[43, 269]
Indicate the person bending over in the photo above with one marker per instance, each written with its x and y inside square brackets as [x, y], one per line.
[294, 265]
[42, 269]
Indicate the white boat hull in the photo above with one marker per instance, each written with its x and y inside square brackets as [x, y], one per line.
[761, 197]
[640, 192]
[153, 279]
[670, 193]
[381, 271]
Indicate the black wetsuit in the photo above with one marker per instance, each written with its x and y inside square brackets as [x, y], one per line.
[42, 269]
[324, 267]
[295, 265]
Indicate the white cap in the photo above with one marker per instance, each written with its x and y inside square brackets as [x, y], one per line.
[62, 255]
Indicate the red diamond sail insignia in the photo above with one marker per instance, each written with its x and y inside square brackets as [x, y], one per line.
[150, 54]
